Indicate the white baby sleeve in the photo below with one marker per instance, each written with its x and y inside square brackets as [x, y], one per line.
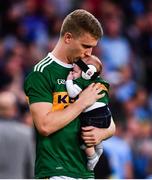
[73, 89]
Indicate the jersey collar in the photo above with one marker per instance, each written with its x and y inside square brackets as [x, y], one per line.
[59, 61]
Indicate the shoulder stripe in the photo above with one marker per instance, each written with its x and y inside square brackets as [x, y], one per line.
[46, 65]
[43, 61]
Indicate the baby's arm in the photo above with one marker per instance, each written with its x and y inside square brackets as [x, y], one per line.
[73, 89]
[70, 76]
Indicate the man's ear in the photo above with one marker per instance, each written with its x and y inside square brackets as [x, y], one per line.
[67, 37]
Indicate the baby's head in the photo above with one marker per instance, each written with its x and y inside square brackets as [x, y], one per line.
[92, 60]
[94, 68]
[95, 61]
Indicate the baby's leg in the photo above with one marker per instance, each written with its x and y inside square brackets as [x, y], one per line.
[92, 157]
[90, 151]
[99, 149]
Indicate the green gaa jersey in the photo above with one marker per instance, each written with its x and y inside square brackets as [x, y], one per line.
[83, 83]
[58, 154]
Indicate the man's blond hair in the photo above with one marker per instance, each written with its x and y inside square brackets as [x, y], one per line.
[79, 22]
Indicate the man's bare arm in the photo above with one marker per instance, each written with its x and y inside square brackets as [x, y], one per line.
[48, 122]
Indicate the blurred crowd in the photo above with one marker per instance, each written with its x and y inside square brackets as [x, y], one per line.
[29, 29]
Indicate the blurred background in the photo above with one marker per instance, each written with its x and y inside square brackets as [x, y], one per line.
[29, 29]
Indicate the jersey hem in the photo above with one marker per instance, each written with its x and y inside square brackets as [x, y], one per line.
[72, 175]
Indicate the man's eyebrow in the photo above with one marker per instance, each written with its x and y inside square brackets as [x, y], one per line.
[87, 46]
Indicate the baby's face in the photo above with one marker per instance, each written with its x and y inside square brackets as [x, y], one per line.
[76, 68]
[76, 71]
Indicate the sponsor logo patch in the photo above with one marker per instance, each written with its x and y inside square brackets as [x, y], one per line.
[61, 100]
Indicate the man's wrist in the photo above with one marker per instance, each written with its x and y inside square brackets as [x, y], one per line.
[81, 104]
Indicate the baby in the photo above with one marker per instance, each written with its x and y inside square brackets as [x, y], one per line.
[99, 114]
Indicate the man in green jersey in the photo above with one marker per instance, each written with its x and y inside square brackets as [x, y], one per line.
[55, 114]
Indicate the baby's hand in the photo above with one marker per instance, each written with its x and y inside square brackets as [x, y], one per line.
[70, 76]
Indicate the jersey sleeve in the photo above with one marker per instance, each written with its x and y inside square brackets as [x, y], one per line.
[37, 88]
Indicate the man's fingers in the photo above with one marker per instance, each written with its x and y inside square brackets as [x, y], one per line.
[89, 145]
[101, 95]
[87, 128]
[97, 88]
[86, 137]
[86, 131]
[86, 134]
[97, 85]
[88, 140]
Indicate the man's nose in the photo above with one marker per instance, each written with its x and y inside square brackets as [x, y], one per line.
[88, 52]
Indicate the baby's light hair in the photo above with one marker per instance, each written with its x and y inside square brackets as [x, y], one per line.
[94, 60]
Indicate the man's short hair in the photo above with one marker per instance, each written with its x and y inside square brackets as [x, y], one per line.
[79, 22]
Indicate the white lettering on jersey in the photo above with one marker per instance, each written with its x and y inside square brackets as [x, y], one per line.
[61, 81]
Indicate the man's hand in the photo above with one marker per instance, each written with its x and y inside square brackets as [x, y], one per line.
[90, 95]
[93, 135]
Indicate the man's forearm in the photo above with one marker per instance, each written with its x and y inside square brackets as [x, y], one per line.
[58, 119]
[48, 122]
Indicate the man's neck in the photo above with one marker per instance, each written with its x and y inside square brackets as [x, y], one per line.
[60, 53]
